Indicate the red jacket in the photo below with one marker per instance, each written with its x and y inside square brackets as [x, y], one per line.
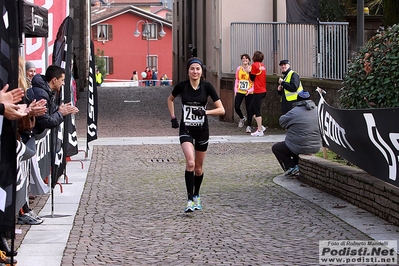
[149, 74]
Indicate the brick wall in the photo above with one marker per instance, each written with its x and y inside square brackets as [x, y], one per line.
[352, 185]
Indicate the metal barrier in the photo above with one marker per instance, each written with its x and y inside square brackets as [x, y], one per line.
[319, 51]
[132, 83]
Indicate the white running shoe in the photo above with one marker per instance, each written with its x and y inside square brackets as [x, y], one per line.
[257, 133]
[264, 129]
[248, 130]
[242, 121]
[190, 206]
[197, 203]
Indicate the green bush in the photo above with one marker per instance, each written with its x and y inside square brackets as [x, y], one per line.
[100, 62]
[372, 79]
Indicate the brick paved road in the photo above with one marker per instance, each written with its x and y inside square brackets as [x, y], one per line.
[131, 211]
[138, 112]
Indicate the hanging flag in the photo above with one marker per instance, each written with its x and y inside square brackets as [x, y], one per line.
[62, 56]
[92, 97]
[64, 136]
[9, 52]
[364, 137]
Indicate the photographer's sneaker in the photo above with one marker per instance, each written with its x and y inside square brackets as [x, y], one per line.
[190, 206]
[242, 121]
[292, 171]
[197, 203]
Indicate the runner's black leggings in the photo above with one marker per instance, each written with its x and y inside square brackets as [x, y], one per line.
[237, 103]
[256, 104]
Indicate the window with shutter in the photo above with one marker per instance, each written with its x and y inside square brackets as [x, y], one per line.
[94, 33]
[110, 33]
[111, 65]
[151, 29]
[153, 62]
[102, 32]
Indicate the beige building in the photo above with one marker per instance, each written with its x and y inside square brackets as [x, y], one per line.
[202, 28]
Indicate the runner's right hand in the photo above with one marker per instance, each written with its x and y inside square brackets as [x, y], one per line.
[175, 124]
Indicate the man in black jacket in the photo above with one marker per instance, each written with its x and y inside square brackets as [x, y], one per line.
[46, 87]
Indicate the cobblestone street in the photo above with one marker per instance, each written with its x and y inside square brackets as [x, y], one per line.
[131, 211]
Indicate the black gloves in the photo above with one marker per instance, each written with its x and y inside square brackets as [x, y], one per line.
[175, 124]
[199, 112]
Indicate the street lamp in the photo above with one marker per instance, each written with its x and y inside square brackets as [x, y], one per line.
[147, 34]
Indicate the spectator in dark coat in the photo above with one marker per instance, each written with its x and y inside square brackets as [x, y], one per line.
[154, 77]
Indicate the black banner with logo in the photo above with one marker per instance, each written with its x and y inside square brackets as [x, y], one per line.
[92, 104]
[43, 153]
[369, 138]
[64, 136]
[34, 20]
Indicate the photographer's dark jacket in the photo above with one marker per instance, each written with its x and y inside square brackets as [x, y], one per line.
[303, 133]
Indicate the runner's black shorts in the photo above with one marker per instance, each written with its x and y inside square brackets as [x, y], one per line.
[198, 136]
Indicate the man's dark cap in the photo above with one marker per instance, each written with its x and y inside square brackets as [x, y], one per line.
[283, 62]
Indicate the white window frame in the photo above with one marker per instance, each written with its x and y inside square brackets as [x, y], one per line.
[102, 29]
[153, 29]
[106, 58]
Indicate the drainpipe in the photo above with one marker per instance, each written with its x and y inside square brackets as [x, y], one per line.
[360, 24]
[275, 36]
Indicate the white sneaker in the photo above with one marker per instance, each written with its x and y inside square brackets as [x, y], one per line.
[248, 130]
[197, 203]
[257, 133]
[242, 121]
[264, 129]
[190, 206]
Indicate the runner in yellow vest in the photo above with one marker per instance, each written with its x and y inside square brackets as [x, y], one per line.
[289, 86]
